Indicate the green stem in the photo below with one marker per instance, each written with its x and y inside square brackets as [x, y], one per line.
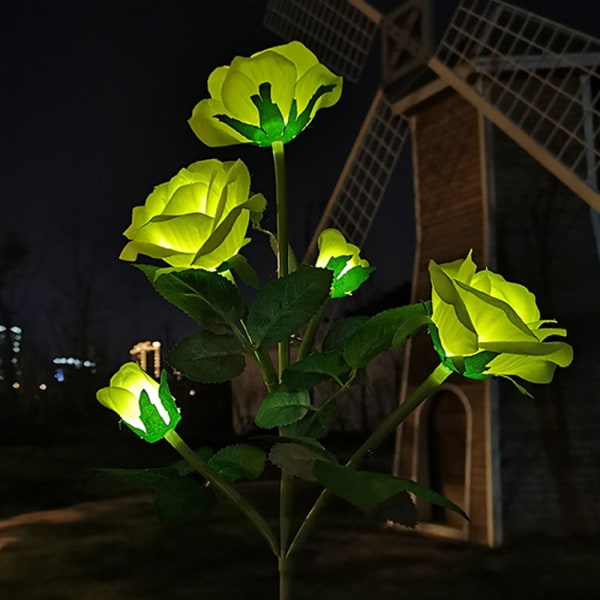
[262, 358]
[285, 486]
[435, 379]
[224, 488]
[282, 235]
[281, 200]
[308, 340]
[285, 579]
[265, 364]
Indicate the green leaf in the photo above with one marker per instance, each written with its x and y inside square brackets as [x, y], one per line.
[366, 490]
[156, 428]
[314, 369]
[409, 328]
[282, 407]
[238, 462]
[296, 459]
[182, 499]
[208, 298]
[377, 334]
[208, 357]
[350, 281]
[341, 331]
[317, 424]
[271, 119]
[519, 387]
[121, 480]
[284, 305]
[398, 509]
[475, 365]
[243, 269]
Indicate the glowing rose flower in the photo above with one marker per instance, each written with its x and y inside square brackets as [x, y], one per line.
[341, 257]
[146, 407]
[198, 219]
[271, 96]
[486, 326]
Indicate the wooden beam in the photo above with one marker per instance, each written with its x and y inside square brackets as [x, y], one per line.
[412, 100]
[367, 10]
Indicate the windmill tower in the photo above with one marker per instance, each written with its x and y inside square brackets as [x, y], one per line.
[505, 140]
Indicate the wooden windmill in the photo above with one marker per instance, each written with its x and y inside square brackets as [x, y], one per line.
[505, 142]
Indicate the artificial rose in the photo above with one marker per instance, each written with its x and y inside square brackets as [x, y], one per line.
[271, 96]
[146, 407]
[198, 219]
[488, 326]
[343, 258]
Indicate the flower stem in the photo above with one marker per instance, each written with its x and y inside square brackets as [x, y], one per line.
[435, 379]
[286, 483]
[284, 578]
[281, 200]
[308, 339]
[224, 488]
[282, 235]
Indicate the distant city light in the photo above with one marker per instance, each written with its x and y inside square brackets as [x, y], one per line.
[192, 392]
[59, 375]
[43, 387]
[16, 385]
[75, 362]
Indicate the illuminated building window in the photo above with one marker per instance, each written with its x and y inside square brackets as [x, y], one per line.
[140, 353]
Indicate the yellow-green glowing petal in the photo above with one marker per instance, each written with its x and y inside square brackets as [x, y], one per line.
[245, 77]
[514, 294]
[462, 269]
[350, 271]
[123, 402]
[143, 405]
[270, 96]
[493, 319]
[332, 243]
[457, 337]
[298, 54]
[188, 199]
[209, 130]
[215, 81]
[199, 218]
[180, 234]
[457, 334]
[312, 80]
[488, 326]
[537, 368]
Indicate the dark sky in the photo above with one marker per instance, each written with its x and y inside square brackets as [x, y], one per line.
[96, 95]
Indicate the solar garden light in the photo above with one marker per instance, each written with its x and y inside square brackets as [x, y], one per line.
[480, 325]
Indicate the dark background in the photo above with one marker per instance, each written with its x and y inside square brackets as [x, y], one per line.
[95, 98]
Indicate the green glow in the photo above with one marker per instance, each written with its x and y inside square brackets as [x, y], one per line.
[146, 407]
[336, 254]
[269, 97]
[198, 219]
[486, 326]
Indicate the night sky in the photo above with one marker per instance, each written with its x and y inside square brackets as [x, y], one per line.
[96, 95]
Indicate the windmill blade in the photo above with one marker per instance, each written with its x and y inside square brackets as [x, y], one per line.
[364, 178]
[339, 32]
[536, 80]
